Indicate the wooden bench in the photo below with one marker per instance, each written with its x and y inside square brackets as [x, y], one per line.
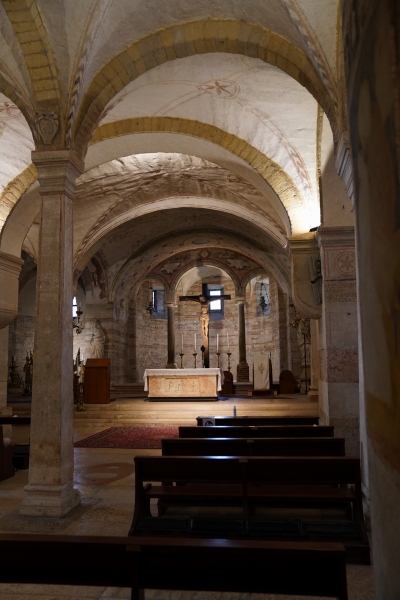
[250, 482]
[276, 431]
[15, 420]
[6, 455]
[141, 563]
[253, 447]
[258, 421]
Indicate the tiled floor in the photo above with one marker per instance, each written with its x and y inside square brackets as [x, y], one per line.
[106, 482]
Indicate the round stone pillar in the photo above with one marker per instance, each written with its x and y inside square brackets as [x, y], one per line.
[314, 362]
[171, 364]
[50, 491]
[242, 368]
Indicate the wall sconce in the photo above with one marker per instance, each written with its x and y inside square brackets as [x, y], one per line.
[76, 321]
[150, 307]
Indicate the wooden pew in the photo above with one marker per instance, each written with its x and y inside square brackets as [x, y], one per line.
[6, 455]
[253, 447]
[276, 431]
[21, 454]
[15, 420]
[250, 482]
[144, 562]
[258, 421]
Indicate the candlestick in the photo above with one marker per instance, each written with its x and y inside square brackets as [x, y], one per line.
[181, 355]
[227, 335]
[195, 359]
[229, 361]
[218, 355]
[182, 343]
[217, 342]
[195, 345]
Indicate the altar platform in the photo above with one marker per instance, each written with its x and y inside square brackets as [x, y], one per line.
[166, 385]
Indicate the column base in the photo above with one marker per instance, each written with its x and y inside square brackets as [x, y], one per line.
[243, 372]
[49, 500]
[313, 395]
[171, 366]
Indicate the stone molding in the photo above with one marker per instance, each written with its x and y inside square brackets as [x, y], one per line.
[10, 268]
[344, 165]
[302, 249]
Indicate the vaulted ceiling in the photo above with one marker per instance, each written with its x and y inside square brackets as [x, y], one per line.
[191, 116]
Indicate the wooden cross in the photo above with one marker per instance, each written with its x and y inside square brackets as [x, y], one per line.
[204, 300]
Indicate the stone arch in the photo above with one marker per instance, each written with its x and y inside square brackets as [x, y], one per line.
[274, 175]
[204, 263]
[90, 244]
[187, 39]
[38, 53]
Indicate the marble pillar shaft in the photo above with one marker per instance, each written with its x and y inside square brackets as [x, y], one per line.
[50, 491]
[171, 364]
[242, 334]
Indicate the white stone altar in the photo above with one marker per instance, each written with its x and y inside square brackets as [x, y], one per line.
[183, 383]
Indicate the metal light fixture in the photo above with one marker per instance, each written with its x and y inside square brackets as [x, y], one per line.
[150, 307]
[76, 321]
[264, 298]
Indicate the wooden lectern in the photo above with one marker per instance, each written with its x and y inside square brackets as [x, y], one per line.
[97, 381]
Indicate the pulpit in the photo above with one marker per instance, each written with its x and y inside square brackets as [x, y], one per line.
[97, 381]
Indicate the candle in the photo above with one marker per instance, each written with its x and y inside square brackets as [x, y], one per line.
[195, 347]
[217, 342]
[182, 345]
[227, 335]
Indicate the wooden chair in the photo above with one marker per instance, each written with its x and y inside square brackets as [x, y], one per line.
[287, 383]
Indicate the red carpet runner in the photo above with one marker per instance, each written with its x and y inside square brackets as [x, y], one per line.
[128, 437]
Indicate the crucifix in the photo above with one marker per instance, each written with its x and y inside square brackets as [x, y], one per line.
[204, 300]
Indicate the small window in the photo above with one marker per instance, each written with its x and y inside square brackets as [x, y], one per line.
[74, 307]
[160, 310]
[215, 305]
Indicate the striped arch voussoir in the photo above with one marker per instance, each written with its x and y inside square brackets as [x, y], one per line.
[188, 39]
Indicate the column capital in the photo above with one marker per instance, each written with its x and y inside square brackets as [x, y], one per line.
[240, 301]
[57, 170]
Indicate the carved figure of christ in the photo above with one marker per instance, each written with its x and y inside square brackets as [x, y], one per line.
[204, 301]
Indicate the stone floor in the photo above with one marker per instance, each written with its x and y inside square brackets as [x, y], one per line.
[106, 481]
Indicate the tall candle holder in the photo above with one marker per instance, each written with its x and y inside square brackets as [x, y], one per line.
[218, 355]
[181, 354]
[229, 361]
[195, 359]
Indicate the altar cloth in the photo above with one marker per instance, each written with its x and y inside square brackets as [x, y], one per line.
[183, 383]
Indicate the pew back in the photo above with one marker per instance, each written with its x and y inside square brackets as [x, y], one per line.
[279, 431]
[257, 420]
[253, 447]
[255, 566]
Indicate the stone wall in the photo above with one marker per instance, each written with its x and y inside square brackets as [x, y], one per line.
[147, 336]
[21, 336]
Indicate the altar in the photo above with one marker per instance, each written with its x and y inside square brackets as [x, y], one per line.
[169, 384]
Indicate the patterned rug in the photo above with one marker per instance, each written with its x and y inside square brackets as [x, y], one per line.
[128, 437]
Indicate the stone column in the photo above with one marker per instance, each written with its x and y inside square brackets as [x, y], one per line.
[171, 364]
[314, 362]
[4, 409]
[243, 367]
[50, 491]
[339, 401]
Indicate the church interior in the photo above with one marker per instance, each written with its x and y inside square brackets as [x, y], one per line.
[204, 187]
